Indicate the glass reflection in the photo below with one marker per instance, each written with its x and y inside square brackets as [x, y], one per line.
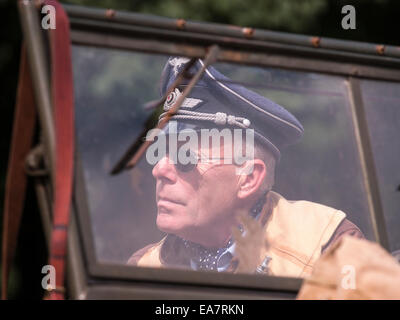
[187, 216]
[382, 101]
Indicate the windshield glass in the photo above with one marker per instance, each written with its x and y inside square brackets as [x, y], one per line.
[382, 101]
[191, 206]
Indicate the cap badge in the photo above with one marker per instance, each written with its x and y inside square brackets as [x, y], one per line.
[176, 63]
[173, 97]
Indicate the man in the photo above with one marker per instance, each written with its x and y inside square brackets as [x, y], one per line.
[199, 203]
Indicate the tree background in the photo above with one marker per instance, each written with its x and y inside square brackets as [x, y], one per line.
[377, 22]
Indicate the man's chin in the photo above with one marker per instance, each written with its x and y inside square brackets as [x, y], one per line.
[165, 223]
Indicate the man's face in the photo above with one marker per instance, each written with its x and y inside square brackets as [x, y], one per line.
[197, 205]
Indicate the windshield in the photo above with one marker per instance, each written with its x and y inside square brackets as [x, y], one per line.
[185, 213]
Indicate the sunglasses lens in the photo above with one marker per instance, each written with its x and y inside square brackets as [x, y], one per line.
[185, 167]
[189, 164]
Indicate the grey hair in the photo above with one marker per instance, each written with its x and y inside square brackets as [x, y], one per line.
[262, 153]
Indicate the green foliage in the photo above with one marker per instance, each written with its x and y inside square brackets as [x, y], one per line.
[274, 14]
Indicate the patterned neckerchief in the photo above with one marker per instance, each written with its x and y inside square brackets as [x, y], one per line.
[219, 259]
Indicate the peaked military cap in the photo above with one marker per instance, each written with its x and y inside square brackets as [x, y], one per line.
[216, 102]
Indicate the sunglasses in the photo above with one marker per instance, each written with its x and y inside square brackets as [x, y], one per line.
[192, 160]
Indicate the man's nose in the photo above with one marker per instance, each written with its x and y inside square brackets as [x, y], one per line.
[165, 169]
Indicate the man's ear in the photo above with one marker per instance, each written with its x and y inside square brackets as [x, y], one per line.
[251, 180]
